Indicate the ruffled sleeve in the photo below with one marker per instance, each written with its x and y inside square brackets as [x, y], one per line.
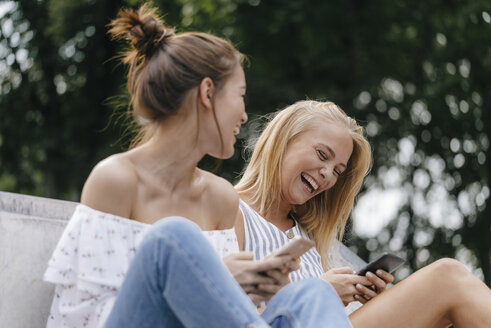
[88, 266]
[223, 241]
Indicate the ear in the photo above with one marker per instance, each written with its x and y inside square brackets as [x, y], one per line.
[206, 92]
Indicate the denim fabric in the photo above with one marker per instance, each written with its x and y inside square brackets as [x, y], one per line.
[307, 303]
[176, 279]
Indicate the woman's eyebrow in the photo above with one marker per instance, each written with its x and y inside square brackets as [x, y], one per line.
[329, 150]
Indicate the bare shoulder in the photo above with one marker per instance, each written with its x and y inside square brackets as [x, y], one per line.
[222, 199]
[111, 186]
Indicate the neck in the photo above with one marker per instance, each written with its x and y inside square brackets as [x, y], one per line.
[280, 217]
[278, 214]
[171, 155]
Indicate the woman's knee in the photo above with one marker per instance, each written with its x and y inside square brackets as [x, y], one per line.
[175, 226]
[166, 236]
[448, 271]
[449, 266]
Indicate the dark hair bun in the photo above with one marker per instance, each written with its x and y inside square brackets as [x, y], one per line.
[143, 28]
[163, 67]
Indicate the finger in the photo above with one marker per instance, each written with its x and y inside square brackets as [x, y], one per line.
[275, 262]
[377, 282]
[240, 256]
[290, 267]
[268, 289]
[280, 277]
[347, 299]
[356, 279]
[346, 292]
[293, 265]
[365, 292]
[387, 277]
[249, 288]
[366, 298]
[256, 299]
[254, 278]
[342, 270]
[360, 299]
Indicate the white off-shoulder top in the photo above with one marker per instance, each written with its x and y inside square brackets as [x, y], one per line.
[90, 262]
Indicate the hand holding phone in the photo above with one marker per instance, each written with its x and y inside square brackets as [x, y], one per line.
[295, 248]
[387, 262]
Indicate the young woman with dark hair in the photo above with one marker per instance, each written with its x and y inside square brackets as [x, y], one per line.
[143, 249]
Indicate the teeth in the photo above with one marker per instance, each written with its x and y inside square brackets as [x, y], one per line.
[236, 131]
[312, 182]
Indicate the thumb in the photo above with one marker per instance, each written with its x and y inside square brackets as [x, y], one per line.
[246, 256]
[345, 270]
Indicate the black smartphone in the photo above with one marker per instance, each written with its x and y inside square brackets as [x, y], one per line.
[387, 262]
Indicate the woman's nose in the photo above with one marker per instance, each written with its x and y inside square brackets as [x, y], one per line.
[326, 172]
[244, 118]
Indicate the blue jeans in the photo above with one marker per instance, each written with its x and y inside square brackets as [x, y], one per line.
[176, 279]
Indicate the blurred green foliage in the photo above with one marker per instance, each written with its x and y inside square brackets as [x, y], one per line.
[414, 73]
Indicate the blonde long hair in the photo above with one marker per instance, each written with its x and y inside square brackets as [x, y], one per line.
[324, 216]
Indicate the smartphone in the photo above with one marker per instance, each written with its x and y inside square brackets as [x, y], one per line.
[295, 247]
[387, 262]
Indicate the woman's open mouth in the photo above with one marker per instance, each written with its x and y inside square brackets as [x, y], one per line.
[309, 183]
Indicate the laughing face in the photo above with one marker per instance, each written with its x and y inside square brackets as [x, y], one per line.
[230, 111]
[313, 161]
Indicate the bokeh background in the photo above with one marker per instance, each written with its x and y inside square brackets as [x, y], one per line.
[415, 73]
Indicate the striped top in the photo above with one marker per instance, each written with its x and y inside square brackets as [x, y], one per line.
[262, 237]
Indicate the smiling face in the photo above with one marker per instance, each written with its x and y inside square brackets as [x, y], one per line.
[230, 111]
[313, 161]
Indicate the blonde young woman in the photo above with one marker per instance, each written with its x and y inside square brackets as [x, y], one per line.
[305, 171]
[133, 254]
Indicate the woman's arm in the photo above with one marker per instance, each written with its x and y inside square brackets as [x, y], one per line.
[239, 229]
